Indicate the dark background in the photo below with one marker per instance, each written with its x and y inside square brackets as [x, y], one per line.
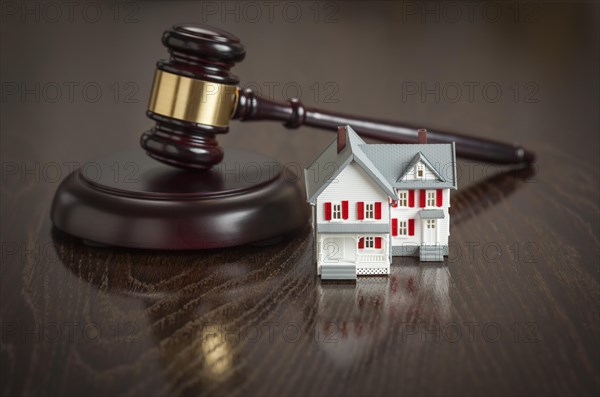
[514, 310]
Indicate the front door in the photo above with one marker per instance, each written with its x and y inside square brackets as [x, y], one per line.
[332, 250]
[430, 232]
[338, 249]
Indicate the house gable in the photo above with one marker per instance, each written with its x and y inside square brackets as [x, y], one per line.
[395, 161]
[420, 169]
[330, 163]
[352, 184]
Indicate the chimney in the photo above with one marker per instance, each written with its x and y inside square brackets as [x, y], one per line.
[342, 138]
[422, 136]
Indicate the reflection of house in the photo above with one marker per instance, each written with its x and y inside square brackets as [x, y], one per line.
[354, 320]
[371, 202]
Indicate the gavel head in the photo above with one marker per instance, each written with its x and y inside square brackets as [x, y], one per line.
[193, 97]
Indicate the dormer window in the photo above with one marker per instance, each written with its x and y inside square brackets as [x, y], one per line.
[420, 171]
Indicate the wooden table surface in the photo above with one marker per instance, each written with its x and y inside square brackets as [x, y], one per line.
[514, 310]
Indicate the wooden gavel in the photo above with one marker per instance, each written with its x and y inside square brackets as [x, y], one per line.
[195, 95]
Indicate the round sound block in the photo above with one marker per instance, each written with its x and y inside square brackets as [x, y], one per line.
[131, 200]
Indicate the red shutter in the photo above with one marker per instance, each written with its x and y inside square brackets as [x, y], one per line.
[394, 226]
[327, 207]
[422, 198]
[377, 242]
[411, 227]
[344, 210]
[361, 243]
[395, 203]
[438, 197]
[411, 198]
[360, 210]
[378, 210]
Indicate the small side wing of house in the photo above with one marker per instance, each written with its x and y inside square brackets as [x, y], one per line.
[327, 166]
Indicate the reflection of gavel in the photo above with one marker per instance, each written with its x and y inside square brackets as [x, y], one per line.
[194, 96]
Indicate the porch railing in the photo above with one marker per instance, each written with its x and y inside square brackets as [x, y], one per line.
[371, 258]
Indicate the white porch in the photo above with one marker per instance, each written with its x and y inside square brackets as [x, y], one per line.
[341, 251]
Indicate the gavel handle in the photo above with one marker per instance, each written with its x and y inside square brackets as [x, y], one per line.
[294, 114]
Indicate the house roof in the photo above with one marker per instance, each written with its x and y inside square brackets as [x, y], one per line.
[395, 160]
[419, 158]
[387, 164]
[330, 163]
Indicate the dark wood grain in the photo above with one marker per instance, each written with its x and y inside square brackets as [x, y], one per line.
[82, 320]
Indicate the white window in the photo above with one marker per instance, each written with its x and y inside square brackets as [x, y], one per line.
[403, 199]
[369, 242]
[402, 228]
[336, 211]
[420, 171]
[369, 211]
[430, 199]
[430, 223]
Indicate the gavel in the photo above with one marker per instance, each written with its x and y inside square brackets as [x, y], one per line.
[195, 95]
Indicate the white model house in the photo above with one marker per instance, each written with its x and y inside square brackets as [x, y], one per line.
[374, 201]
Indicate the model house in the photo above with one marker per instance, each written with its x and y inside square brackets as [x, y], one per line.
[374, 201]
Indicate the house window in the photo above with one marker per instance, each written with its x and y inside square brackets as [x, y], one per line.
[402, 228]
[369, 242]
[369, 211]
[336, 211]
[420, 171]
[403, 199]
[430, 199]
[430, 223]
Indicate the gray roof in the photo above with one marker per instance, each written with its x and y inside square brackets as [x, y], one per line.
[394, 161]
[330, 163]
[385, 163]
[420, 158]
[431, 214]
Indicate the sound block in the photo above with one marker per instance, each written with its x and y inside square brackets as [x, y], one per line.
[130, 200]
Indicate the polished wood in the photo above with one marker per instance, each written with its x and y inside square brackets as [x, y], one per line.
[204, 54]
[185, 323]
[247, 199]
